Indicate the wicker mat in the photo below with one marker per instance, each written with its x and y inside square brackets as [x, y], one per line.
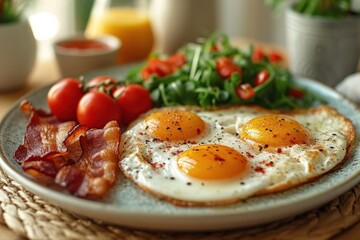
[31, 217]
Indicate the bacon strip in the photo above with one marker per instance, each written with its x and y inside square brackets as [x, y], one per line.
[94, 173]
[82, 160]
[43, 149]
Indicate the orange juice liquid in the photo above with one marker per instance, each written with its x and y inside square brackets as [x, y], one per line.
[131, 26]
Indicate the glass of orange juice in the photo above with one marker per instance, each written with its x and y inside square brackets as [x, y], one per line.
[129, 21]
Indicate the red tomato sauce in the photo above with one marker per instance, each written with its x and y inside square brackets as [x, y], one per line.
[86, 44]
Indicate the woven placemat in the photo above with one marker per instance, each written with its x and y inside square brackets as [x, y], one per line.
[32, 217]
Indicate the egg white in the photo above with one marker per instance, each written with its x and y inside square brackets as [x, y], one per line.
[151, 163]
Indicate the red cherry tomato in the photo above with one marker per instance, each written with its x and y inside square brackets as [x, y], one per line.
[261, 77]
[100, 80]
[105, 82]
[96, 108]
[63, 98]
[132, 100]
[226, 67]
[245, 91]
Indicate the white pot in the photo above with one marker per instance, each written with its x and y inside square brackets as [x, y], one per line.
[17, 54]
[323, 49]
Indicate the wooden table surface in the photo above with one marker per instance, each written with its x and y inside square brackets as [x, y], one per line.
[45, 71]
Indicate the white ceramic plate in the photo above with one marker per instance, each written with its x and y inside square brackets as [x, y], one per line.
[129, 206]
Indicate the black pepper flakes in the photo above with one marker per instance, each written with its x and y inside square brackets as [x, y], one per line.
[218, 158]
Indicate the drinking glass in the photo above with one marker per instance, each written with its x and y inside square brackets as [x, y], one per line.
[129, 21]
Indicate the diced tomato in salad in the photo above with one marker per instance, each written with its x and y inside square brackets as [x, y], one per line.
[163, 68]
[245, 91]
[225, 66]
[258, 55]
[261, 77]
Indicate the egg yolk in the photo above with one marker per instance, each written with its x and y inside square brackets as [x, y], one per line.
[274, 131]
[174, 125]
[212, 162]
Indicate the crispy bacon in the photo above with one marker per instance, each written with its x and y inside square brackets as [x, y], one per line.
[45, 167]
[82, 160]
[43, 141]
[94, 173]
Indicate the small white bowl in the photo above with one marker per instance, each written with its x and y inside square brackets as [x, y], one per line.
[74, 59]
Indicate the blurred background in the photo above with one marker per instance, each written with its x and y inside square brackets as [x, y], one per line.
[175, 21]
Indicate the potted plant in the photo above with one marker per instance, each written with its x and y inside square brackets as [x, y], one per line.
[17, 45]
[323, 38]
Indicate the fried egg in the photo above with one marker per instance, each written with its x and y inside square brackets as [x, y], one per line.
[195, 157]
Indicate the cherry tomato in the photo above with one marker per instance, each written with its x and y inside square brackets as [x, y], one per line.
[132, 100]
[63, 98]
[258, 55]
[275, 57]
[101, 80]
[261, 77]
[96, 108]
[296, 93]
[226, 67]
[104, 82]
[245, 91]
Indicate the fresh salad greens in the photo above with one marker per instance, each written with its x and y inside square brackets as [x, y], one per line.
[198, 82]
